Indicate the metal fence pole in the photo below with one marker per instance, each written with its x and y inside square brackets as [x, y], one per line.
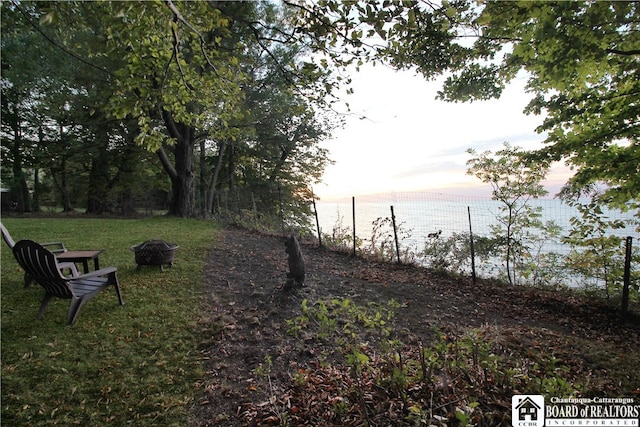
[395, 234]
[353, 214]
[473, 252]
[315, 210]
[627, 276]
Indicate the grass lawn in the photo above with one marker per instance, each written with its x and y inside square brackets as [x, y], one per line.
[136, 364]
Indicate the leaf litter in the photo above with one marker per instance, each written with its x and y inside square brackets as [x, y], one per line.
[372, 343]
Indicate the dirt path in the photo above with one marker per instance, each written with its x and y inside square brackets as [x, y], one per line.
[245, 327]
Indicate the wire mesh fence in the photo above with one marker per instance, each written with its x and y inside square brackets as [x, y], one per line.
[460, 234]
[435, 230]
[266, 208]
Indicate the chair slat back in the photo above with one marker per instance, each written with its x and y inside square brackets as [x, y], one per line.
[41, 265]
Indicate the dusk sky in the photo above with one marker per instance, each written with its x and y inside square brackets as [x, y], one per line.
[409, 141]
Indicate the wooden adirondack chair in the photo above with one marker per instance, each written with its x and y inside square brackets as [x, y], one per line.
[57, 247]
[41, 265]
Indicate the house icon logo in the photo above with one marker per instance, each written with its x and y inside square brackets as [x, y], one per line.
[527, 410]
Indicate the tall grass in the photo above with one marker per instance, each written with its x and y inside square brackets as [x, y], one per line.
[136, 364]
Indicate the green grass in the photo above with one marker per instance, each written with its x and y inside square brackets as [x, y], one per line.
[136, 364]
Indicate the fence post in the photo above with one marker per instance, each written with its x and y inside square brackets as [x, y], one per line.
[353, 214]
[627, 276]
[473, 252]
[315, 210]
[395, 234]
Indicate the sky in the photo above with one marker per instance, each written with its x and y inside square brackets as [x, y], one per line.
[399, 138]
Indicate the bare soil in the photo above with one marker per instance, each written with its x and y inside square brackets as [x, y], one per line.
[244, 328]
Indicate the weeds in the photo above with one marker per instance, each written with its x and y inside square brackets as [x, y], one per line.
[341, 319]
[385, 381]
[341, 237]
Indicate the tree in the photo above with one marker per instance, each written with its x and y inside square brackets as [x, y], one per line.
[580, 58]
[178, 71]
[281, 154]
[177, 76]
[196, 81]
[596, 252]
[514, 182]
[52, 116]
[20, 85]
[274, 152]
[582, 62]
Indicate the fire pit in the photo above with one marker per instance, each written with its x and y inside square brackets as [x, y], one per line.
[154, 252]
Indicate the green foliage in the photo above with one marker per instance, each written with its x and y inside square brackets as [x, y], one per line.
[339, 319]
[453, 378]
[580, 59]
[447, 254]
[69, 152]
[341, 237]
[117, 364]
[265, 209]
[230, 78]
[382, 244]
[168, 57]
[597, 255]
[603, 37]
[515, 181]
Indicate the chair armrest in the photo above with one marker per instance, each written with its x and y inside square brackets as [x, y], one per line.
[102, 272]
[58, 247]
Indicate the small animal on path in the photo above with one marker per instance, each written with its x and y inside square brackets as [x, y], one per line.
[296, 274]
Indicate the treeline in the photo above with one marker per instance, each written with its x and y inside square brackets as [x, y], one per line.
[110, 106]
[228, 94]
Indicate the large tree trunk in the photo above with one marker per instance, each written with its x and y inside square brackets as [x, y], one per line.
[182, 172]
[98, 188]
[183, 201]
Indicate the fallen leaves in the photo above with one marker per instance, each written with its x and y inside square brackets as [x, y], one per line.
[479, 345]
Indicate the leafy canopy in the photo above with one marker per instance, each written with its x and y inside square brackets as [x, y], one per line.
[580, 59]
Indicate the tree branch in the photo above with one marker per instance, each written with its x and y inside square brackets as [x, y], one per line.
[166, 163]
[167, 117]
[176, 55]
[623, 52]
[178, 16]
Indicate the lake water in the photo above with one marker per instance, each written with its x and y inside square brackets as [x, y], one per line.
[420, 214]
